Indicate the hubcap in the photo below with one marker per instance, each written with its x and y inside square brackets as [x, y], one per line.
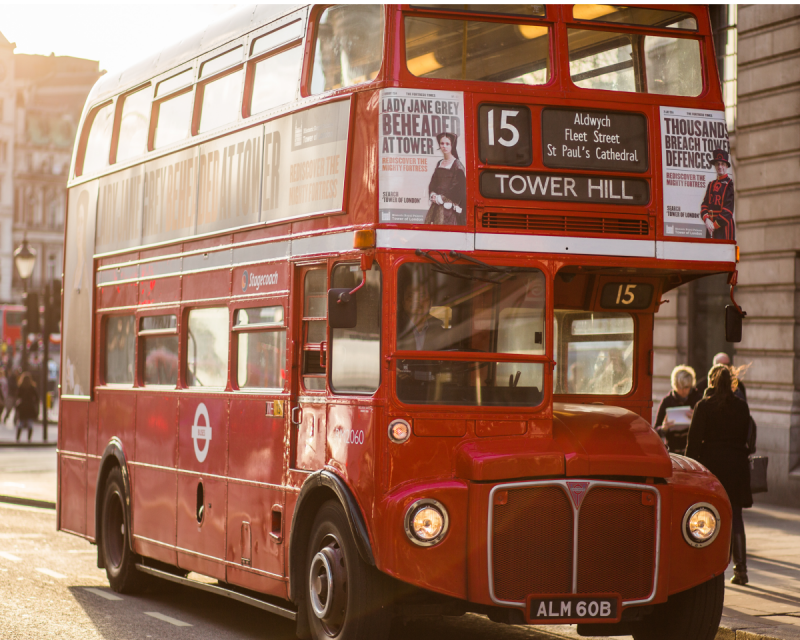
[327, 586]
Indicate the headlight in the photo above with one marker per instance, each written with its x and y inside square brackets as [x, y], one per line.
[426, 522]
[700, 524]
[399, 431]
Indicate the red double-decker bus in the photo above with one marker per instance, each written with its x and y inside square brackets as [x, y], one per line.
[358, 309]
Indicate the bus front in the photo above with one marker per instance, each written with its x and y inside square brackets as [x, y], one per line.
[544, 178]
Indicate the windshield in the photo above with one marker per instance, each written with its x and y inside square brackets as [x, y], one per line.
[469, 310]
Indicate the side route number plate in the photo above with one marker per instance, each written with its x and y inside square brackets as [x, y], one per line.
[573, 609]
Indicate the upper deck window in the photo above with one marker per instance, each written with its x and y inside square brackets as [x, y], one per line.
[95, 155]
[529, 10]
[133, 124]
[348, 48]
[174, 113]
[637, 63]
[221, 96]
[276, 74]
[637, 16]
[473, 50]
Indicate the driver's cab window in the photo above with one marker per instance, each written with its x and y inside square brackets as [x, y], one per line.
[594, 352]
[315, 326]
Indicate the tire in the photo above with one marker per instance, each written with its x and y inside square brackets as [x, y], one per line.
[119, 560]
[693, 614]
[356, 607]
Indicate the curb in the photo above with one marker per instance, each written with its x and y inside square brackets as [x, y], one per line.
[28, 502]
[742, 634]
[14, 445]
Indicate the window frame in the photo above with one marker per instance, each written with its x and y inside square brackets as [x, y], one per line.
[201, 83]
[120, 105]
[586, 398]
[383, 292]
[547, 359]
[321, 347]
[698, 35]
[142, 334]
[104, 349]
[250, 73]
[183, 350]
[280, 300]
[312, 30]
[88, 123]
[549, 21]
[158, 100]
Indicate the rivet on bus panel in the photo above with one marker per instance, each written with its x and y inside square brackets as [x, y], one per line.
[648, 499]
[363, 238]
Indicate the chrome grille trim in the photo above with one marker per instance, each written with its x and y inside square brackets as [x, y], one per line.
[562, 484]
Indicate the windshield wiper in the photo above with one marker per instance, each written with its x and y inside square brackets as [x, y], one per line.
[446, 267]
[483, 265]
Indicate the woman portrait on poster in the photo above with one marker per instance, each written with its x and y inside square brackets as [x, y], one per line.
[447, 190]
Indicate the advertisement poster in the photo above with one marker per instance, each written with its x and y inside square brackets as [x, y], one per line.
[76, 324]
[697, 180]
[423, 179]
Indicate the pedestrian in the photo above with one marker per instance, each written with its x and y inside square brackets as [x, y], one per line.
[684, 394]
[11, 396]
[724, 358]
[3, 391]
[27, 405]
[718, 440]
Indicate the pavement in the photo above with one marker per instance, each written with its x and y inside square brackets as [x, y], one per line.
[767, 608]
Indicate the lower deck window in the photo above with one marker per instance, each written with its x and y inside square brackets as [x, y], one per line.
[120, 340]
[160, 360]
[207, 348]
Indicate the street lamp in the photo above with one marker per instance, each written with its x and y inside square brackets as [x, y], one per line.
[25, 261]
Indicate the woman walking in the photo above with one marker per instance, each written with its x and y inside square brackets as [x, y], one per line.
[27, 405]
[718, 439]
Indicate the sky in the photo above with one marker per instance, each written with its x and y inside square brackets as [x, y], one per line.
[117, 35]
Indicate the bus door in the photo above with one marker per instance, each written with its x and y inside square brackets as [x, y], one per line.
[256, 443]
[308, 413]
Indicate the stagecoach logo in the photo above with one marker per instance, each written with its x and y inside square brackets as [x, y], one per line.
[258, 281]
[201, 432]
[577, 490]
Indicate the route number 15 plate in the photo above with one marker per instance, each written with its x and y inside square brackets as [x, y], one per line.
[574, 609]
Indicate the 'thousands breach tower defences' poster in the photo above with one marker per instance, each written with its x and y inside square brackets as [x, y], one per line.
[422, 173]
[688, 139]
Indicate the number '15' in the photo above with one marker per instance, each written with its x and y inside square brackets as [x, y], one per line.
[625, 297]
[504, 124]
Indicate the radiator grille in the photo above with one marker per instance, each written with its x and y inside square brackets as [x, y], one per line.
[533, 543]
[616, 543]
[628, 226]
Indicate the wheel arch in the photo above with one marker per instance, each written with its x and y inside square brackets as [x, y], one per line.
[318, 488]
[113, 456]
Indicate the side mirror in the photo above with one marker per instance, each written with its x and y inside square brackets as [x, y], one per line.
[342, 309]
[733, 324]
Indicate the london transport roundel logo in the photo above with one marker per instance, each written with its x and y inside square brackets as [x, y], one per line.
[245, 279]
[201, 432]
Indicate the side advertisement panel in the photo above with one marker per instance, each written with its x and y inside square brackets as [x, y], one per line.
[77, 323]
[423, 179]
[695, 161]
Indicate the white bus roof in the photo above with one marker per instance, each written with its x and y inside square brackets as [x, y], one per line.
[229, 26]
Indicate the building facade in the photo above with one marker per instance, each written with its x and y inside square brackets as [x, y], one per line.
[759, 57]
[41, 99]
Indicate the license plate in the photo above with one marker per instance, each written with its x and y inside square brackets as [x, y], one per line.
[573, 609]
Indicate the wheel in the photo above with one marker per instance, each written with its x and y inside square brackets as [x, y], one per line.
[345, 596]
[119, 560]
[693, 614]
